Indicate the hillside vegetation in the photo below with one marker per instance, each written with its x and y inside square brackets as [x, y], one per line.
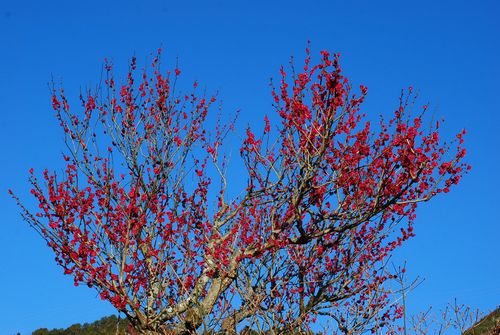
[111, 325]
[489, 325]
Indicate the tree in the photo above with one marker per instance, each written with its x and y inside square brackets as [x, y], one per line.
[142, 211]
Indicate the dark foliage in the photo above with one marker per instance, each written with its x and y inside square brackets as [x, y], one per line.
[489, 325]
[110, 325]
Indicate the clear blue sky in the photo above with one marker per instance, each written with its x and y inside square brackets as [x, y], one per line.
[448, 50]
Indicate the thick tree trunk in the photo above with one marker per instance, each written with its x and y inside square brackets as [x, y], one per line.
[154, 332]
[164, 331]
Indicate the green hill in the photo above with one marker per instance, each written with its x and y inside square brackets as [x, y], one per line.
[489, 325]
[105, 326]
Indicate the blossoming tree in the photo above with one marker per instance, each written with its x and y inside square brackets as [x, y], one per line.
[142, 214]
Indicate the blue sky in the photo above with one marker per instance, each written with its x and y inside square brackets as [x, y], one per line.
[448, 50]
